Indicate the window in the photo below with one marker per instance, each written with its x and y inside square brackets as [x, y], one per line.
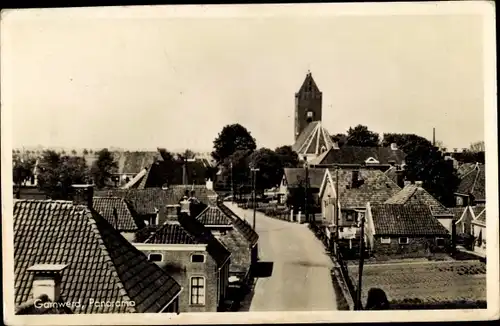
[198, 290]
[385, 240]
[155, 257]
[197, 258]
[309, 114]
[460, 201]
[349, 216]
[440, 242]
[403, 240]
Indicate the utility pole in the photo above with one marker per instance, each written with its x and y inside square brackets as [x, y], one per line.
[232, 184]
[361, 262]
[433, 137]
[337, 201]
[306, 210]
[254, 177]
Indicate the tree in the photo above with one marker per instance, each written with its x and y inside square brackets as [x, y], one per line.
[85, 151]
[340, 139]
[22, 170]
[188, 154]
[236, 166]
[91, 151]
[270, 168]
[288, 158]
[57, 173]
[426, 163]
[232, 138]
[477, 147]
[103, 168]
[73, 151]
[361, 136]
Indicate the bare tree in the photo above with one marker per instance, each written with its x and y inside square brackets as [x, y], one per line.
[477, 146]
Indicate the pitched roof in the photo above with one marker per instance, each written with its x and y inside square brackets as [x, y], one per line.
[474, 182]
[161, 172]
[30, 308]
[134, 162]
[294, 176]
[359, 155]
[481, 216]
[190, 231]
[309, 85]
[376, 187]
[457, 212]
[392, 173]
[102, 265]
[314, 139]
[414, 194]
[405, 220]
[240, 224]
[238, 245]
[201, 192]
[123, 221]
[213, 215]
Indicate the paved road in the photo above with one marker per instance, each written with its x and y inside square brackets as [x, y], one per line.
[300, 279]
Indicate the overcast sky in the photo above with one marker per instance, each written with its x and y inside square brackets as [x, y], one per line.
[92, 80]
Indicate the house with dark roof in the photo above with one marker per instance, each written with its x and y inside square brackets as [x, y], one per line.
[117, 212]
[295, 177]
[404, 231]
[414, 193]
[355, 188]
[381, 158]
[236, 235]
[71, 254]
[200, 263]
[471, 189]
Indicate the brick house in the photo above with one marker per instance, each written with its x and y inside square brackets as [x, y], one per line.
[117, 212]
[67, 252]
[236, 235]
[356, 187]
[404, 231]
[471, 189]
[381, 158]
[414, 193]
[196, 260]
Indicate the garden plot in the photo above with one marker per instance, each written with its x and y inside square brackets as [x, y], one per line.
[425, 282]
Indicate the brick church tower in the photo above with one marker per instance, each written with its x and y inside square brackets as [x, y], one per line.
[308, 101]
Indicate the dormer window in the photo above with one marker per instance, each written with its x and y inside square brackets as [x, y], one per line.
[323, 149]
[371, 160]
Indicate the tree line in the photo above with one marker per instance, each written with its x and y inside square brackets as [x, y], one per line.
[235, 151]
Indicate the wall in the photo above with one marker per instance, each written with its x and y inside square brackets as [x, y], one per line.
[177, 263]
[464, 224]
[416, 248]
[328, 204]
[446, 222]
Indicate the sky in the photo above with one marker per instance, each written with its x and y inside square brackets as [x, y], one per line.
[145, 78]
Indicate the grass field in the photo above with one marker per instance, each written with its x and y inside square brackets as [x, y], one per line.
[425, 283]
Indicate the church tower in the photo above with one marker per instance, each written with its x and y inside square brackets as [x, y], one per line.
[308, 101]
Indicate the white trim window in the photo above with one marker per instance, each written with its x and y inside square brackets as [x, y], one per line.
[155, 257]
[385, 240]
[371, 160]
[403, 240]
[197, 258]
[197, 289]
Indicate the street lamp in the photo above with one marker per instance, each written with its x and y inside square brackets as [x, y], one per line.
[254, 177]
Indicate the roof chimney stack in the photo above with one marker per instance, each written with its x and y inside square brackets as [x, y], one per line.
[47, 280]
[84, 194]
[394, 146]
[419, 183]
[336, 144]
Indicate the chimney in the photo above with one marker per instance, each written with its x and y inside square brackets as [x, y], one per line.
[336, 144]
[419, 183]
[406, 183]
[355, 179]
[400, 178]
[210, 184]
[84, 194]
[47, 280]
[394, 146]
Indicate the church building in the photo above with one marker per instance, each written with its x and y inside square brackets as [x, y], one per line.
[311, 138]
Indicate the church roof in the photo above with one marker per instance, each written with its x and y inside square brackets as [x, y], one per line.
[314, 139]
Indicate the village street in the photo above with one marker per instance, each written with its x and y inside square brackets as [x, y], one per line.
[300, 279]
